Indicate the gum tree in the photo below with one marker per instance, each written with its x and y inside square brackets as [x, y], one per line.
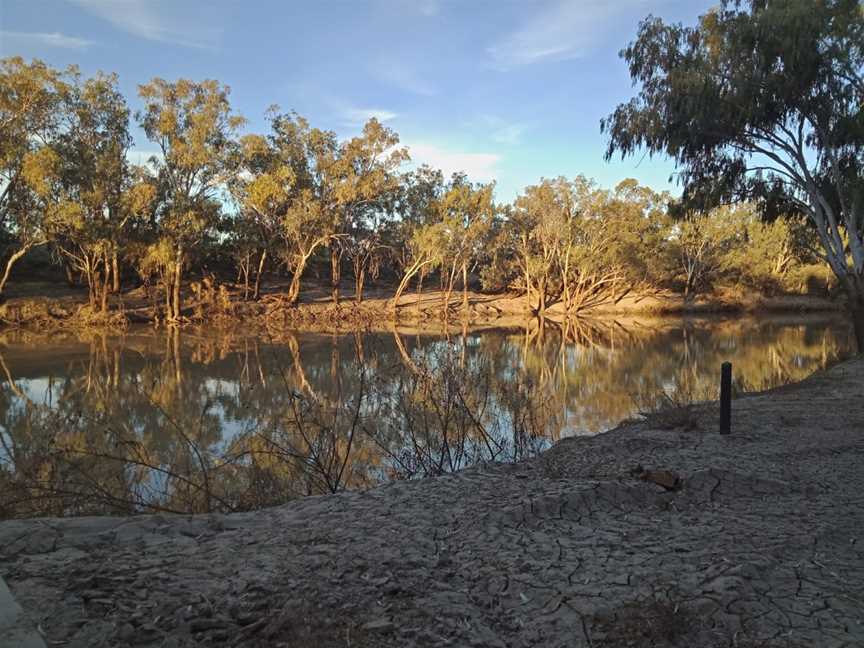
[543, 218]
[466, 212]
[424, 252]
[280, 194]
[760, 100]
[415, 207]
[194, 128]
[102, 194]
[31, 97]
[354, 185]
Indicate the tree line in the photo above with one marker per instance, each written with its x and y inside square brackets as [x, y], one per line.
[253, 204]
[760, 101]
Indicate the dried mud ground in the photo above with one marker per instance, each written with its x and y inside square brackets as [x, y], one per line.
[762, 545]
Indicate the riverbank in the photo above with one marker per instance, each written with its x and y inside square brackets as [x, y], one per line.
[753, 539]
[42, 306]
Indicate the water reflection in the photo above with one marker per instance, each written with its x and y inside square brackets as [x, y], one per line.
[221, 420]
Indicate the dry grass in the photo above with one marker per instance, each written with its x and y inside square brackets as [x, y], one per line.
[660, 620]
[665, 411]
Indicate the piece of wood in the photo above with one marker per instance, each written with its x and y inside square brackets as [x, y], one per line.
[726, 398]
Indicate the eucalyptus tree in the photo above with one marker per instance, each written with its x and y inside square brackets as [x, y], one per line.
[416, 207]
[772, 250]
[366, 250]
[641, 221]
[701, 242]
[499, 260]
[573, 242]
[31, 97]
[466, 212]
[760, 100]
[261, 188]
[101, 193]
[425, 252]
[279, 190]
[544, 218]
[195, 129]
[354, 185]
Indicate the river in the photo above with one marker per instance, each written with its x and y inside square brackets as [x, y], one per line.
[217, 420]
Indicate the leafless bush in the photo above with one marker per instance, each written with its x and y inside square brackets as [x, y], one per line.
[437, 414]
[447, 413]
[676, 408]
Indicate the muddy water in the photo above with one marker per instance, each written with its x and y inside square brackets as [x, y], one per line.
[202, 420]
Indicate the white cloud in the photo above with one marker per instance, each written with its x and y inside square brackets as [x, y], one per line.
[403, 77]
[509, 134]
[143, 157]
[428, 7]
[480, 167]
[156, 21]
[566, 29]
[359, 116]
[502, 131]
[54, 39]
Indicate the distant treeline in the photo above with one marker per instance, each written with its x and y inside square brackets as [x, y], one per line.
[244, 205]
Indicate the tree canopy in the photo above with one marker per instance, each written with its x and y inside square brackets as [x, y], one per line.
[217, 202]
[760, 100]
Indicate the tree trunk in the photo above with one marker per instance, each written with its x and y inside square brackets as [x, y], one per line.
[335, 271]
[419, 287]
[294, 288]
[92, 279]
[449, 291]
[178, 277]
[106, 285]
[244, 270]
[450, 282]
[169, 309]
[409, 274]
[105, 288]
[256, 295]
[115, 272]
[70, 276]
[465, 287]
[565, 283]
[358, 285]
[11, 262]
[541, 298]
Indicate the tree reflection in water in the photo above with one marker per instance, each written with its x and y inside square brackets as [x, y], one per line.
[198, 421]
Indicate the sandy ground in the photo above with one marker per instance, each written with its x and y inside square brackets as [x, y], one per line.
[759, 543]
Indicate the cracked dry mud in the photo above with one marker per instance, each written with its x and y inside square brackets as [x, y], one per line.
[763, 545]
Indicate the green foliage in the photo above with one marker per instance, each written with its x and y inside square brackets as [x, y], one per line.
[31, 96]
[760, 100]
[297, 196]
[195, 129]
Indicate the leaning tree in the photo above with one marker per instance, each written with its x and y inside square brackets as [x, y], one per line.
[761, 99]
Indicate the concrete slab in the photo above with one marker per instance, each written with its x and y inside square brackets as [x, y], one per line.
[14, 632]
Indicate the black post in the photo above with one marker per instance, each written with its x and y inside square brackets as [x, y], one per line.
[726, 398]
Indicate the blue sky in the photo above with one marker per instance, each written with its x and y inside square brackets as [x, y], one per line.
[507, 91]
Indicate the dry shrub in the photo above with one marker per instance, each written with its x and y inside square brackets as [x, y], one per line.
[430, 415]
[680, 408]
[665, 412]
